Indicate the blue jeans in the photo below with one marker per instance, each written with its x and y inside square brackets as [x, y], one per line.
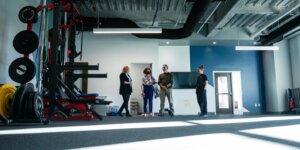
[202, 101]
[148, 91]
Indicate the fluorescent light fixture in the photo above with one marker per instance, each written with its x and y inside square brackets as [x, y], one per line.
[257, 48]
[127, 30]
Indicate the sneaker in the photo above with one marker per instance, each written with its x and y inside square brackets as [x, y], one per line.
[205, 116]
[151, 114]
[144, 115]
[128, 115]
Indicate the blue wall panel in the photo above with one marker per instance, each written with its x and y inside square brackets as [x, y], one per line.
[221, 58]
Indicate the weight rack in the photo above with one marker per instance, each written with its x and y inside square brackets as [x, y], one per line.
[55, 69]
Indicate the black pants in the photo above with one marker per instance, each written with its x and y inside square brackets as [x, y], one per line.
[125, 104]
[202, 101]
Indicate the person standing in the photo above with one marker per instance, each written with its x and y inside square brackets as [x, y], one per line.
[165, 81]
[201, 91]
[125, 90]
[147, 90]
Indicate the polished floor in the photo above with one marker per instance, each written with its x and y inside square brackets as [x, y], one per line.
[274, 132]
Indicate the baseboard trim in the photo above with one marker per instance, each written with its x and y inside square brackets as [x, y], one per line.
[253, 113]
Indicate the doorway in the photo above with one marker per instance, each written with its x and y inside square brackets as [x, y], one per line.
[137, 74]
[223, 91]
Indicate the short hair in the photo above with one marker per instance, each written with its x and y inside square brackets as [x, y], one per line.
[165, 65]
[147, 71]
[201, 67]
[125, 69]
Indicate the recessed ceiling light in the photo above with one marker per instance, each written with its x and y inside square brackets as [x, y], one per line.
[214, 42]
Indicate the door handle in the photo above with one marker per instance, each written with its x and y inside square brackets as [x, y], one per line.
[223, 93]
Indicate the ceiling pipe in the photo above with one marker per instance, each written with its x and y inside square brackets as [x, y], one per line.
[278, 34]
[197, 12]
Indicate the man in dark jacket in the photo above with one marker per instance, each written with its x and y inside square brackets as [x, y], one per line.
[201, 91]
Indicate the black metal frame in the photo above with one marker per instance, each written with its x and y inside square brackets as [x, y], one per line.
[56, 68]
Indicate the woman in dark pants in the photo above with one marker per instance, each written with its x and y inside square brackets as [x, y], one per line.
[125, 90]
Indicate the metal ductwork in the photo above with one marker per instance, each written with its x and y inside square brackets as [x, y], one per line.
[278, 34]
[90, 23]
[197, 12]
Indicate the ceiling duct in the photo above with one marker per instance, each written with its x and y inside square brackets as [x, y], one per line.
[194, 17]
[197, 12]
[277, 35]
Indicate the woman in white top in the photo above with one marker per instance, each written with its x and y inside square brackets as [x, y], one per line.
[147, 90]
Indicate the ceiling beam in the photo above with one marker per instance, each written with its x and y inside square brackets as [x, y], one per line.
[280, 16]
[223, 15]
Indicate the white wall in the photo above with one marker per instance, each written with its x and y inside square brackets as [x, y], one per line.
[177, 58]
[294, 46]
[10, 25]
[270, 81]
[278, 78]
[112, 53]
[283, 74]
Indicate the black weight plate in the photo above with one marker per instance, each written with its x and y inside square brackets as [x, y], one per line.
[29, 87]
[22, 70]
[15, 102]
[38, 106]
[28, 14]
[30, 105]
[26, 42]
[25, 104]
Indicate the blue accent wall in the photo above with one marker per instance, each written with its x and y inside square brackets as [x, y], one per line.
[221, 58]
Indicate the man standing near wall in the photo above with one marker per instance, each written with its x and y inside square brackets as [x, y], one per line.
[165, 81]
[201, 91]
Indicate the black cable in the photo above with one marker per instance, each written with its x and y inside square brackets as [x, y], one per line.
[156, 11]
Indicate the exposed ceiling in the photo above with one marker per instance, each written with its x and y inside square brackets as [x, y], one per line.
[222, 19]
[170, 13]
